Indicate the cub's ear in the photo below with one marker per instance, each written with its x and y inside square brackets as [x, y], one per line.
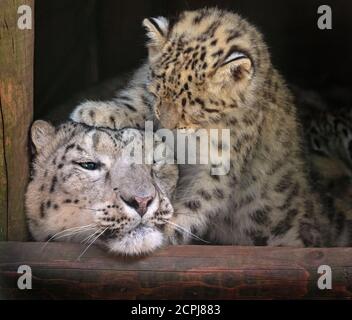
[42, 133]
[157, 29]
[237, 66]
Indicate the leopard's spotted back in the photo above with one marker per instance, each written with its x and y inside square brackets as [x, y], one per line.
[328, 135]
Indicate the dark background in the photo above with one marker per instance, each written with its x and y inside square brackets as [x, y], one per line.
[82, 42]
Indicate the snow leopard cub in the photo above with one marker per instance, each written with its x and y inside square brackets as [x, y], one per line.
[210, 68]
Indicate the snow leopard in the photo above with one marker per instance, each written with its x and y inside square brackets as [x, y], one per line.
[211, 69]
[85, 188]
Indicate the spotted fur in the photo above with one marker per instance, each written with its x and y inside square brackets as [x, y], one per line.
[82, 177]
[131, 107]
[328, 133]
[211, 69]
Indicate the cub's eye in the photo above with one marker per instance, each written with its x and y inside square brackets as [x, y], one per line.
[233, 56]
[89, 165]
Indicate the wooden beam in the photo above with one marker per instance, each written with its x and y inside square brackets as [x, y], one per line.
[16, 108]
[178, 272]
[3, 182]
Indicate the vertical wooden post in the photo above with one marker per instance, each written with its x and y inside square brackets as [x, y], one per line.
[16, 110]
[3, 182]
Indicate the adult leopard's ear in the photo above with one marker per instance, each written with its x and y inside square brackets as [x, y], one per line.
[42, 132]
[157, 30]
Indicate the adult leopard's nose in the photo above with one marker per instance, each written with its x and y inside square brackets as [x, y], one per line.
[139, 203]
[143, 204]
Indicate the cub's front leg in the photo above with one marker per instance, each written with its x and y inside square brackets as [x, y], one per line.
[200, 197]
[109, 114]
[132, 107]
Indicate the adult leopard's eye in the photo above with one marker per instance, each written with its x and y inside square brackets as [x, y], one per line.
[89, 165]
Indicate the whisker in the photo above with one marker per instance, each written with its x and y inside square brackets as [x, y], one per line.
[95, 239]
[63, 231]
[85, 240]
[186, 231]
[75, 232]
[184, 213]
[85, 208]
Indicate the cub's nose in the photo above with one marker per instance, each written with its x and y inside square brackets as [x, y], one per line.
[140, 204]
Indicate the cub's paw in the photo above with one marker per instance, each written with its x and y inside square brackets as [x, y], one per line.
[99, 114]
[185, 228]
[176, 234]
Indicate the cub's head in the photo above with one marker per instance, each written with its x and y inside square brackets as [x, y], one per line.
[86, 186]
[204, 65]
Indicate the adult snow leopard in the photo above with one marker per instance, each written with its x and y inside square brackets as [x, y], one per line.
[210, 68]
[85, 187]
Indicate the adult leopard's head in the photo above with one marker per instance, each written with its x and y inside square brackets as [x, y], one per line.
[204, 65]
[85, 187]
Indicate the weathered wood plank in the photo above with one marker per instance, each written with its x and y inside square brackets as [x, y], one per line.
[179, 272]
[16, 92]
[3, 182]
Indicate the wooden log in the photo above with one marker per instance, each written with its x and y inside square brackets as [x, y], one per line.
[178, 272]
[16, 108]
